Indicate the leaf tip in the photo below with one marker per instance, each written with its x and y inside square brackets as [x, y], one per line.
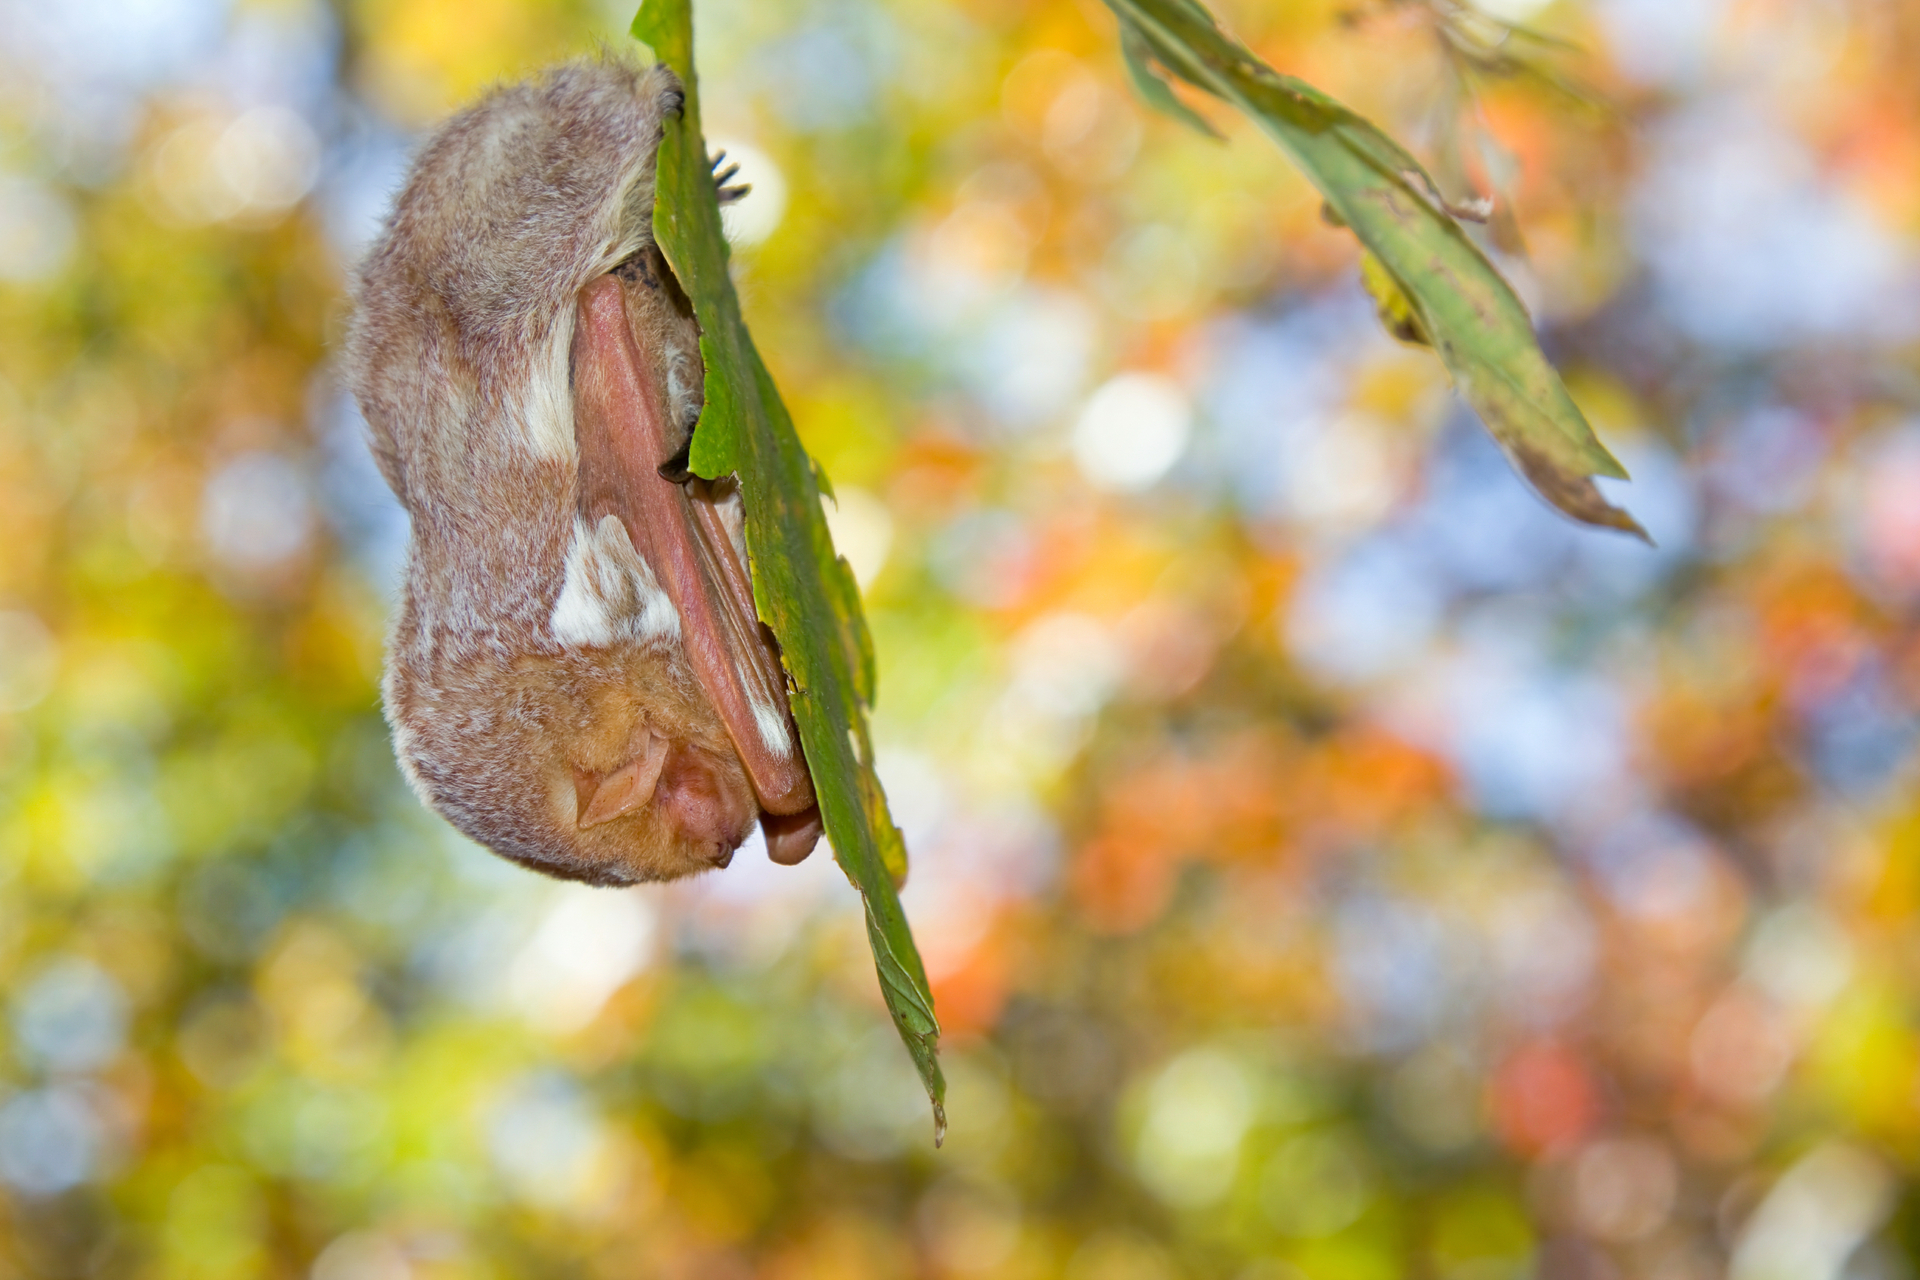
[1572, 492]
[1608, 466]
[1615, 518]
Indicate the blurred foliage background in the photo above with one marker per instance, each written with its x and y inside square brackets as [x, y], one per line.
[1331, 865]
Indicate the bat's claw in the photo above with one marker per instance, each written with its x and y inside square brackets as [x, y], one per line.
[723, 177]
[678, 469]
[791, 837]
[673, 102]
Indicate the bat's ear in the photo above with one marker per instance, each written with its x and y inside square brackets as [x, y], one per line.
[604, 797]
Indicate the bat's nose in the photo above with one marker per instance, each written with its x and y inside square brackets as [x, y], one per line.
[709, 804]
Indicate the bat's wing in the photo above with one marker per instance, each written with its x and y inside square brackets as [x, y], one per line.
[621, 421]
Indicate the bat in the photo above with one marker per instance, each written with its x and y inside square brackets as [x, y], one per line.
[576, 676]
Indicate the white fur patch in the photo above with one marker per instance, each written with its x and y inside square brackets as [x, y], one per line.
[610, 594]
[772, 723]
[623, 241]
[543, 410]
[544, 413]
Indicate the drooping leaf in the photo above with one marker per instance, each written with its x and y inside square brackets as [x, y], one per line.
[1454, 296]
[1151, 84]
[804, 591]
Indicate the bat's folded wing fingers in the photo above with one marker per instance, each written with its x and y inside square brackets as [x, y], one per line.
[620, 422]
[764, 736]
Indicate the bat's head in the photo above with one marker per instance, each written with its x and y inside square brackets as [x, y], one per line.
[577, 678]
[605, 764]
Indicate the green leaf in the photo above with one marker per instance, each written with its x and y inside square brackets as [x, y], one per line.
[1396, 311]
[1152, 86]
[1454, 297]
[804, 591]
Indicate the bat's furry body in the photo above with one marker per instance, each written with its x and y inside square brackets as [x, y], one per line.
[539, 683]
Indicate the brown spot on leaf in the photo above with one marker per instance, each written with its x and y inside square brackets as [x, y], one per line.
[1574, 494]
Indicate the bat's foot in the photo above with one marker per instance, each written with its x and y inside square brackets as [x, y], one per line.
[673, 102]
[722, 177]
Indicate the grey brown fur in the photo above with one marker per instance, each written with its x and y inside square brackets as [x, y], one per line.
[458, 354]
[510, 209]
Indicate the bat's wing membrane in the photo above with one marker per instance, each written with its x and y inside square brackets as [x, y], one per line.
[622, 428]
